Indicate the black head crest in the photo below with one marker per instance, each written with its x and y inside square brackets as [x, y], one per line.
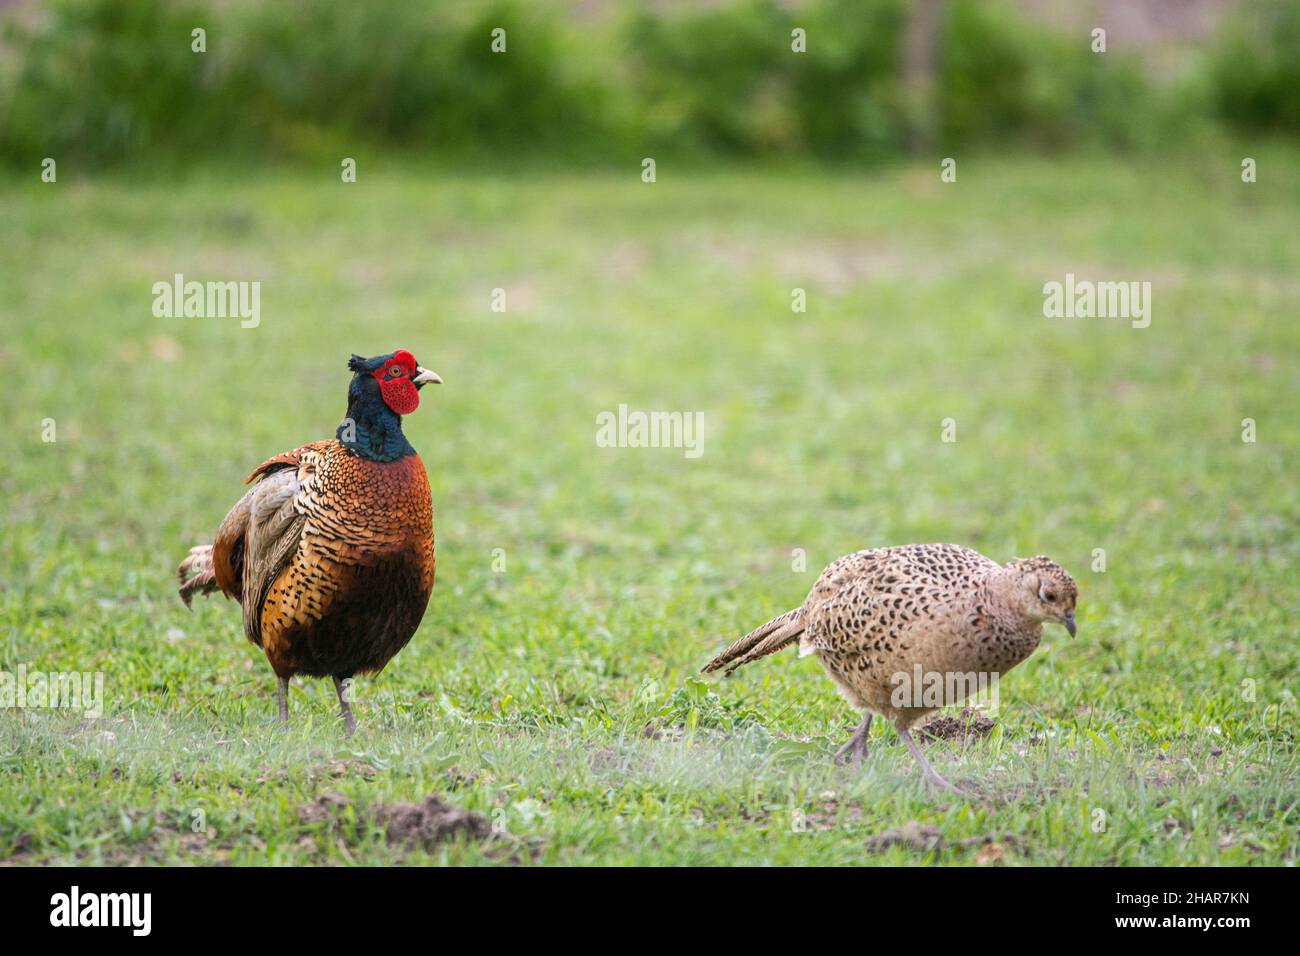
[359, 363]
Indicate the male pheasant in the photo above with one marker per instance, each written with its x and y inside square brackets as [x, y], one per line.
[881, 618]
[330, 553]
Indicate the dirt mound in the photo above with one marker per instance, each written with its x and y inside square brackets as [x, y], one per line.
[926, 837]
[408, 824]
[326, 809]
[431, 822]
[967, 726]
[918, 836]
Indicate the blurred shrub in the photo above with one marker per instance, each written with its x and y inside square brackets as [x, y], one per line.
[725, 80]
[1005, 81]
[114, 81]
[104, 80]
[1256, 70]
[705, 75]
[849, 97]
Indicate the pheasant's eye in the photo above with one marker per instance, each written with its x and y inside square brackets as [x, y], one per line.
[395, 371]
[1049, 595]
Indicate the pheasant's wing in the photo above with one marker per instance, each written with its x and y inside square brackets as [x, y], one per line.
[260, 534]
[855, 620]
[855, 604]
[867, 603]
[274, 533]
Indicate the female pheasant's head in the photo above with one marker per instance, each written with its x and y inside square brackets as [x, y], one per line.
[1046, 590]
[397, 377]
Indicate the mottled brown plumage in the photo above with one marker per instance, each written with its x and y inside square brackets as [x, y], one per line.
[331, 553]
[874, 617]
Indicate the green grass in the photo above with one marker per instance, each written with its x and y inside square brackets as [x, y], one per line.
[526, 695]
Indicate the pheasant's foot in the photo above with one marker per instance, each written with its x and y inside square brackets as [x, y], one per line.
[932, 776]
[342, 687]
[856, 747]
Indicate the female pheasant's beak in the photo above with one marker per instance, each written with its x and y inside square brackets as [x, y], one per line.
[1068, 621]
[423, 377]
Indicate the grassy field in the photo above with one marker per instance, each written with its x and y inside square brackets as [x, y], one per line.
[558, 697]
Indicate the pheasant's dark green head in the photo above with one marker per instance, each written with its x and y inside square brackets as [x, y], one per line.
[383, 389]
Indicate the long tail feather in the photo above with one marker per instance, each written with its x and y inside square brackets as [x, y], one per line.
[768, 639]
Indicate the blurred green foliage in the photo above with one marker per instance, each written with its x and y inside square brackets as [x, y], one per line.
[114, 81]
[1256, 71]
[1003, 79]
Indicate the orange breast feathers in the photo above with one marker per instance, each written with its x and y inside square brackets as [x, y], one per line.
[356, 512]
[366, 504]
[369, 527]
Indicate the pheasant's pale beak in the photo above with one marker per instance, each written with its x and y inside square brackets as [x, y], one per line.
[1068, 621]
[424, 377]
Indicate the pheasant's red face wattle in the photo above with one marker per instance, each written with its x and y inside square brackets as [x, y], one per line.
[395, 385]
[399, 395]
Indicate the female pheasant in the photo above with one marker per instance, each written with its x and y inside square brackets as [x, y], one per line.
[330, 553]
[904, 631]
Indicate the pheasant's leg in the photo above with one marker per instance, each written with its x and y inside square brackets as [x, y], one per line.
[345, 708]
[931, 774]
[282, 690]
[857, 745]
